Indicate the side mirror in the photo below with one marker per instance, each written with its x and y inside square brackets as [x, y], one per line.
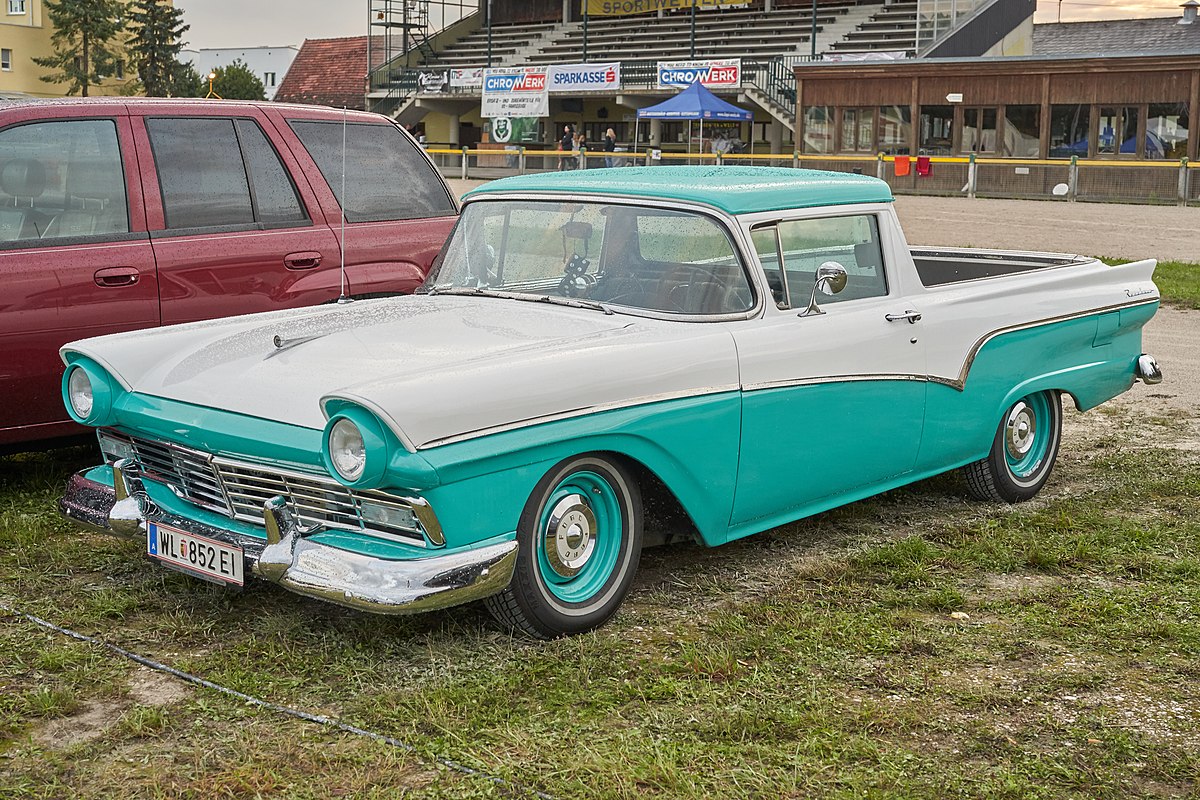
[830, 279]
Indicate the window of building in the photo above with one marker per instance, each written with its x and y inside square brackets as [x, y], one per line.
[1069, 130]
[895, 129]
[858, 130]
[936, 135]
[268, 79]
[6, 59]
[1022, 131]
[818, 130]
[16, 6]
[979, 130]
[387, 175]
[1117, 131]
[1166, 130]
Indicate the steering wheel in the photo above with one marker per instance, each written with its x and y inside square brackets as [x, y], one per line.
[577, 281]
[685, 280]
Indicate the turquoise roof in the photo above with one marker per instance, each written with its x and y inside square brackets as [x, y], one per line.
[733, 189]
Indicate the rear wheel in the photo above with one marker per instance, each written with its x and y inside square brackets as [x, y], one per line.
[1023, 451]
[578, 544]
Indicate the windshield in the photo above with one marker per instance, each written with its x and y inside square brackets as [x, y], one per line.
[673, 262]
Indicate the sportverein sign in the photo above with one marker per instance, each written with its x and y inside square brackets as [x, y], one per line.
[614, 8]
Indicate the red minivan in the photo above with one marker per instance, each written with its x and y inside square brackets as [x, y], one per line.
[123, 213]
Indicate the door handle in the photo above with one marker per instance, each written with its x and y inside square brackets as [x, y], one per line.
[909, 314]
[306, 260]
[117, 276]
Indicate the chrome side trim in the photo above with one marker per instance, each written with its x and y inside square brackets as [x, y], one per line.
[786, 383]
[578, 412]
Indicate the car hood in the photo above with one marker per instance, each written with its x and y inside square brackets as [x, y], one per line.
[432, 368]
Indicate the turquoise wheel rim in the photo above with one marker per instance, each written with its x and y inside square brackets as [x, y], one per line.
[1028, 429]
[580, 532]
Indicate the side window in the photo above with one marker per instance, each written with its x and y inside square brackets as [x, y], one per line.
[274, 194]
[201, 172]
[851, 241]
[387, 177]
[61, 179]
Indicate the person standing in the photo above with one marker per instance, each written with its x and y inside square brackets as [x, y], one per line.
[581, 146]
[610, 147]
[566, 144]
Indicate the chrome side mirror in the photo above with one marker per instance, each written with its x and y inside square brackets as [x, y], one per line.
[830, 279]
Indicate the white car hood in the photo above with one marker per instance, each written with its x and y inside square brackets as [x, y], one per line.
[433, 368]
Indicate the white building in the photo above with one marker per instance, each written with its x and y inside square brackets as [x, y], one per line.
[270, 64]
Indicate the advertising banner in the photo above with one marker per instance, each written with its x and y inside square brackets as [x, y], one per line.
[467, 78]
[616, 8]
[432, 82]
[515, 130]
[585, 77]
[712, 74]
[515, 92]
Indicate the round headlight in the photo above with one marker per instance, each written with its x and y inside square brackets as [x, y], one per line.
[347, 450]
[79, 391]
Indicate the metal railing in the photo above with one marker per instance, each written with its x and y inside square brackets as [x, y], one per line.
[1154, 182]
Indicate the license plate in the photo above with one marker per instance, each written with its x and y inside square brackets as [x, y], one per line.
[199, 555]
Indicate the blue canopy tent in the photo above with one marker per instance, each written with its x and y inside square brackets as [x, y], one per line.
[695, 102]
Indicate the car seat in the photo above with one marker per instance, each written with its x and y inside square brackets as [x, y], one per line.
[22, 182]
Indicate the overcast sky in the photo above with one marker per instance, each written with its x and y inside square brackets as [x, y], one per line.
[248, 23]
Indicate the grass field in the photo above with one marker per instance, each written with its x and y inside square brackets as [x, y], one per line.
[915, 644]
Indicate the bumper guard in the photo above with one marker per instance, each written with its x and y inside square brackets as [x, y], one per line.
[297, 563]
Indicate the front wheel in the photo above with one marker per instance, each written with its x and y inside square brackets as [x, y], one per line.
[1023, 451]
[578, 544]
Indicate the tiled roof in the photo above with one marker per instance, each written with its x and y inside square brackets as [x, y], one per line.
[328, 72]
[1154, 35]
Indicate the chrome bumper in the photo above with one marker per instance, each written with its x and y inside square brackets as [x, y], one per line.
[1147, 370]
[301, 565]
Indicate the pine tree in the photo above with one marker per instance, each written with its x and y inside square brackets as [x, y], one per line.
[156, 40]
[84, 33]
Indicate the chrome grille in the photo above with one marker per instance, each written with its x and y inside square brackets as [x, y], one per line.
[238, 490]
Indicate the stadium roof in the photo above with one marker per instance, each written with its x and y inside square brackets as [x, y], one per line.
[734, 190]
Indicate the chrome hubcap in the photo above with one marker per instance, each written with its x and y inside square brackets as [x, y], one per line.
[570, 535]
[1020, 430]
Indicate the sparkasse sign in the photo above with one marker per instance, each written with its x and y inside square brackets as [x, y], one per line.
[585, 77]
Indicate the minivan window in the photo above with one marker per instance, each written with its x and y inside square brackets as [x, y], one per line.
[274, 195]
[61, 179]
[201, 173]
[387, 177]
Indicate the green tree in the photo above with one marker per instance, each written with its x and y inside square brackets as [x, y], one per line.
[234, 82]
[155, 42]
[84, 33]
[185, 81]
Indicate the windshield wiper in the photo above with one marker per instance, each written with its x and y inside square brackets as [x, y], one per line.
[479, 291]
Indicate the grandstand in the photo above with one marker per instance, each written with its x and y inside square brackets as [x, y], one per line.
[767, 36]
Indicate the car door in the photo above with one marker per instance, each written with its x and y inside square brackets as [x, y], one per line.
[232, 232]
[833, 403]
[75, 258]
[398, 209]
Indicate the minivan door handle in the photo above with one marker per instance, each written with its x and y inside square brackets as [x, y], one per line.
[909, 314]
[117, 276]
[306, 260]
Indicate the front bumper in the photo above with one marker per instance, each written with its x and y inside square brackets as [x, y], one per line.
[302, 565]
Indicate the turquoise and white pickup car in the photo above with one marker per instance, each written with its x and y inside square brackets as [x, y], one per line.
[744, 346]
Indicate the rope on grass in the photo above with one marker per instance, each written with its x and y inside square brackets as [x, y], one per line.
[319, 719]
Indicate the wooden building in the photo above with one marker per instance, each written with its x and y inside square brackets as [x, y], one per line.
[1121, 107]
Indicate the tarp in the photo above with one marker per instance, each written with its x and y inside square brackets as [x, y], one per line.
[695, 102]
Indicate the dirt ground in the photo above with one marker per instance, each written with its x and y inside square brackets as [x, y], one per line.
[1167, 233]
